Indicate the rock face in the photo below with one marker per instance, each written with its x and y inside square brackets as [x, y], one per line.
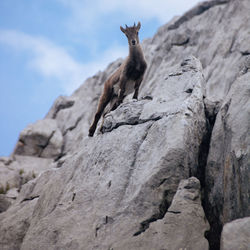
[16, 171]
[132, 185]
[183, 225]
[42, 139]
[228, 165]
[130, 173]
[236, 235]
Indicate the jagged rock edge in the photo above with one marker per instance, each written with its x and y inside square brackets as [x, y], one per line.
[196, 11]
[69, 104]
[140, 121]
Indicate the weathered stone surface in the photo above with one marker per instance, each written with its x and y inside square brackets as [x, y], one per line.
[197, 10]
[74, 121]
[62, 102]
[236, 235]
[217, 45]
[9, 177]
[4, 203]
[41, 139]
[18, 170]
[228, 165]
[167, 99]
[13, 192]
[15, 172]
[183, 226]
[116, 187]
[15, 222]
[14, 225]
[129, 176]
[218, 36]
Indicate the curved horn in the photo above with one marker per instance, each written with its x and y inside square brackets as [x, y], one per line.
[138, 25]
[122, 29]
[126, 26]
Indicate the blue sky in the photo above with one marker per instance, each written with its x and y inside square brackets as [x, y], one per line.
[49, 47]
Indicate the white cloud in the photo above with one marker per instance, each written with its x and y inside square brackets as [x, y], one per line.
[88, 17]
[159, 9]
[51, 60]
[88, 14]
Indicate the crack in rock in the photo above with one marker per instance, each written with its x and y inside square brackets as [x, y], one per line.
[136, 121]
[30, 198]
[73, 126]
[163, 207]
[174, 212]
[43, 147]
[212, 235]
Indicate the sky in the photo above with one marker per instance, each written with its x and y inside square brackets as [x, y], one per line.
[49, 47]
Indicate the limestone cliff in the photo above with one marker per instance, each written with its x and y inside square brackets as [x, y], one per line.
[169, 171]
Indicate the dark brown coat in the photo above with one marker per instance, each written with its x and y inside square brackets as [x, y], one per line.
[126, 79]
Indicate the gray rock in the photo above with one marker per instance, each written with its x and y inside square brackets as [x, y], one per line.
[185, 218]
[62, 102]
[9, 177]
[125, 177]
[227, 170]
[8, 198]
[197, 10]
[74, 121]
[12, 193]
[14, 224]
[116, 187]
[217, 45]
[218, 36]
[167, 99]
[16, 220]
[41, 139]
[16, 171]
[4, 203]
[236, 235]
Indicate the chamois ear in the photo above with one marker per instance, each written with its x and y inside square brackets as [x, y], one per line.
[122, 29]
[138, 25]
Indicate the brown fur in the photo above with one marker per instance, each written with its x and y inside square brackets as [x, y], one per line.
[125, 79]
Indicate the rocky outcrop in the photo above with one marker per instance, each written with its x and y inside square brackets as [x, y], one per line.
[183, 226]
[228, 165]
[129, 186]
[18, 170]
[236, 235]
[216, 32]
[4, 203]
[42, 139]
[129, 176]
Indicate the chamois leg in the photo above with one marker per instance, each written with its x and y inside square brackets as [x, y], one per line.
[113, 103]
[111, 108]
[137, 86]
[104, 100]
[121, 93]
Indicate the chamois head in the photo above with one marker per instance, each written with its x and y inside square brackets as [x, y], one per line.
[132, 34]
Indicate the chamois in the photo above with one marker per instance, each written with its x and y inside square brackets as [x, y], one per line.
[126, 79]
